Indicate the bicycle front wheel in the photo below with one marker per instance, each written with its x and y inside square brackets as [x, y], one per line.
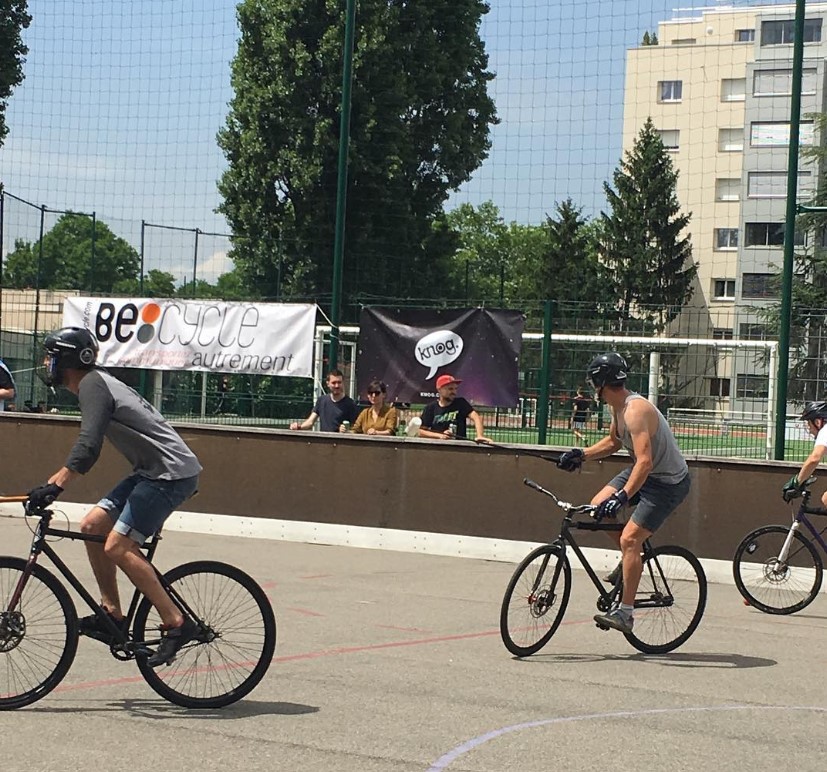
[234, 651]
[772, 585]
[535, 601]
[670, 600]
[38, 634]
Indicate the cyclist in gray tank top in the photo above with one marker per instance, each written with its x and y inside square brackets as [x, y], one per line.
[164, 475]
[656, 482]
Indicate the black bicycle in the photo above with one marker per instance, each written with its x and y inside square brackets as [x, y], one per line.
[39, 626]
[669, 604]
[777, 568]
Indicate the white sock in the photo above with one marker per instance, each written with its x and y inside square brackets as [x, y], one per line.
[627, 609]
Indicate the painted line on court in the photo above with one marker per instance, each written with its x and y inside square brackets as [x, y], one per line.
[443, 762]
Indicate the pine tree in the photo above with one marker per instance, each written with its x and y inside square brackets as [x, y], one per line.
[644, 244]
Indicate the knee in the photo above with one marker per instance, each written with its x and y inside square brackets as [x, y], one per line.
[114, 549]
[629, 543]
[96, 522]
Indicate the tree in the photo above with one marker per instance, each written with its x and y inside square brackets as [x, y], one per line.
[14, 18]
[808, 320]
[420, 123]
[644, 245]
[157, 284]
[71, 259]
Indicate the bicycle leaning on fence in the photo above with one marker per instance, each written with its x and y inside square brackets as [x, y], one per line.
[777, 569]
[669, 603]
[39, 626]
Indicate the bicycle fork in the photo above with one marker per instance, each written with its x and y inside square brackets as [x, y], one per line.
[785, 549]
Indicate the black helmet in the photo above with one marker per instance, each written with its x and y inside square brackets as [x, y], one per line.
[69, 348]
[607, 370]
[813, 410]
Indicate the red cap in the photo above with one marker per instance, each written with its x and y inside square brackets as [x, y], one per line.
[446, 380]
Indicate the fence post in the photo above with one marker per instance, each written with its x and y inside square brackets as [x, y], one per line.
[545, 375]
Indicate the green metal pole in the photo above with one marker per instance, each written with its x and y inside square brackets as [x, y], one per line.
[789, 236]
[341, 188]
[92, 255]
[545, 375]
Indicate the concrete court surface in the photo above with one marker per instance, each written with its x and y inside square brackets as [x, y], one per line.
[392, 662]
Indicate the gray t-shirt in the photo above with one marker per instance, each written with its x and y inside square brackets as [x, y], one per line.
[668, 464]
[111, 409]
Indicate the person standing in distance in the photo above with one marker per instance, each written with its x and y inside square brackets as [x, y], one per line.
[331, 409]
[657, 480]
[8, 390]
[448, 409]
[164, 475]
[580, 414]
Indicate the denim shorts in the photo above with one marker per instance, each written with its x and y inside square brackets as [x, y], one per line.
[139, 506]
[655, 500]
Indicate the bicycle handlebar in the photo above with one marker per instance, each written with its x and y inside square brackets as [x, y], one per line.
[13, 499]
[572, 509]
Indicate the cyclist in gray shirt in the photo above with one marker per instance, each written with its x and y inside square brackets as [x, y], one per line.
[164, 475]
[657, 480]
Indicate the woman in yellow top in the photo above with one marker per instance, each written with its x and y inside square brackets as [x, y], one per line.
[378, 418]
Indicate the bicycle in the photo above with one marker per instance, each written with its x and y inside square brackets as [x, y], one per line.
[670, 599]
[39, 626]
[776, 568]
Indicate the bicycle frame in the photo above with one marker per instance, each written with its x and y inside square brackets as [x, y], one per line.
[40, 546]
[799, 518]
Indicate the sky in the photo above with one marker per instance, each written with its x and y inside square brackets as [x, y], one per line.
[122, 101]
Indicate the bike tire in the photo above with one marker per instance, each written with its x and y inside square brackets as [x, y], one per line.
[535, 601]
[233, 657]
[38, 639]
[670, 600]
[768, 587]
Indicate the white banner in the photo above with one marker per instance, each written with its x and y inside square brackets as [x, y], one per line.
[256, 338]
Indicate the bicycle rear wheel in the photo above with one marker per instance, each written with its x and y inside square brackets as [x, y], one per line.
[231, 656]
[770, 585]
[535, 601]
[670, 600]
[38, 637]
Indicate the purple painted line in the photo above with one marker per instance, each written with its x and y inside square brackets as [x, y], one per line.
[444, 761]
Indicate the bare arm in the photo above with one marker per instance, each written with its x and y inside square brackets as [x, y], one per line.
[605, 447]
[812, 461]
[307, 423]
[62, 477]
[478, 427]
[6, 394]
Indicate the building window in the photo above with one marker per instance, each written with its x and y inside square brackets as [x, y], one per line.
[764, 234]
[750, 331]
[671, 139]
[723, 289]
[726, 238]
[780, 82]
[744, 35]
[684, 41]
[727, 189]
[719, 387]
[774, 33]
[733, 89]
[731, 140]
[759, 286]
[770, 234]
[670, 90]
[774, 184]
[777, 133]
[752, 386]
[723, 333]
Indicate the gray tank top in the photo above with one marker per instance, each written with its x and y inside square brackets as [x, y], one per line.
[668, 464]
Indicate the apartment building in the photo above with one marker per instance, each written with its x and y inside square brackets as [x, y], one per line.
[717, 87]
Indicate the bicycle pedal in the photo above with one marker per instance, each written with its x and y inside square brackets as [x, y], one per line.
[601, 626]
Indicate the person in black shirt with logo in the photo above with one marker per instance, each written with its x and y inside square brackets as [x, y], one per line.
[580, 414]
[450, 410]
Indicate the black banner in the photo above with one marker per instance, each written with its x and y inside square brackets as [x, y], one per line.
[409, 349]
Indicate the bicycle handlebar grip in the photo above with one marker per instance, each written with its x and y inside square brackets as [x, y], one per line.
[531, 484]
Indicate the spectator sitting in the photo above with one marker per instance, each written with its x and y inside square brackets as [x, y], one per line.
[378, 418]
[333, 408]
[437, 417]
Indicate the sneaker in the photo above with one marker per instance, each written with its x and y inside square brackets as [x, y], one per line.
[615, 575]
[93, 627]
[616, 620]
[172, 639]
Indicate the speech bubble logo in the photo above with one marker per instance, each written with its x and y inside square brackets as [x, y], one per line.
[437, 349]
